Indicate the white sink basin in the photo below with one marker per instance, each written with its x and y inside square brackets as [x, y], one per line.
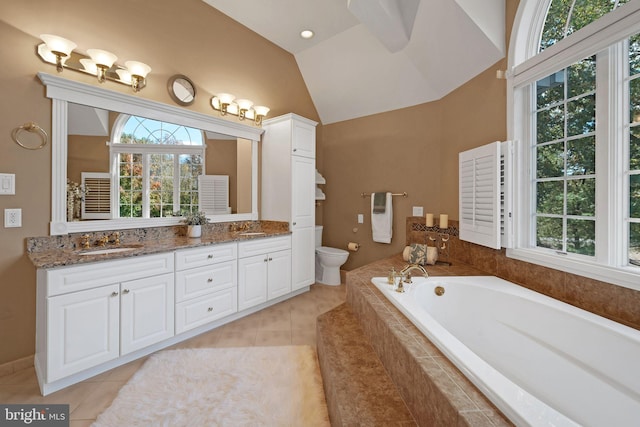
[107, 251]
[252, 233]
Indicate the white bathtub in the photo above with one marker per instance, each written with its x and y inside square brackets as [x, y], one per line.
[540, 361]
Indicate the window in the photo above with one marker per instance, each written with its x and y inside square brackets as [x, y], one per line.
[575, 117]
[157, 167]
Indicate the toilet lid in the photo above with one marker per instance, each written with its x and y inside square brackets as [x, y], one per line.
[330, 251]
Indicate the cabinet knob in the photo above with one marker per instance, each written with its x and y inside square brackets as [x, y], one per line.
[125, 291]
[210, 256]
[270, 259]
[114, 294]
[294, 223]
[295, 149]
[210, 309]
[265, 260]
[210, 279]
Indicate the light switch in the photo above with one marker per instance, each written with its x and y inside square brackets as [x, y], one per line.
[7, 184]
[418, 211]
[12, 218]
[360, 219]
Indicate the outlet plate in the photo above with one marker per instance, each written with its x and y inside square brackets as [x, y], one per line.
[12, 218]
[418, 210]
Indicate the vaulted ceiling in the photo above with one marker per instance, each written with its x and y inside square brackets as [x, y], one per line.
[372, 56]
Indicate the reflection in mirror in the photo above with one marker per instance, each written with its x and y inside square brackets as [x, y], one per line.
[63, 93]
[124, 166]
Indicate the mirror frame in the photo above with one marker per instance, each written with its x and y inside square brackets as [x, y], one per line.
[62, 91]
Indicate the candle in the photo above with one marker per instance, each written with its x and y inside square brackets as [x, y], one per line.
[429, 220]
[444, 220]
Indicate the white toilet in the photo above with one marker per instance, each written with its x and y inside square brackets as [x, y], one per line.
[328, 261]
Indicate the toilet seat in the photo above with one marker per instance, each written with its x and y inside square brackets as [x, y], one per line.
[325, 250]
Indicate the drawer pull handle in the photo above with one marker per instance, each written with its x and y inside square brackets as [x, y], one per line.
[125, 291]
[210, 256]
[114, 294]
[210, 279]
[210, 309]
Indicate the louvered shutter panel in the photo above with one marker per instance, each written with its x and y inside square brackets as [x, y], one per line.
[213, 194]
[97, 198]
[480, 195]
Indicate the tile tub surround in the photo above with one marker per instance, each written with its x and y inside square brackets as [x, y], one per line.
[55, 251]
[434, 390]
[614, 302]
[357, 388]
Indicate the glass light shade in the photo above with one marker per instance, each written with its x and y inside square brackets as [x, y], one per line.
[124, 75]
[244, 104]
[89, 65]
[137, 68]
[58, 44]
[225, 98]
[261, 110]
[102, 57]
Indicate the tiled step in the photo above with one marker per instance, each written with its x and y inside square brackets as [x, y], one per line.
[358, 389]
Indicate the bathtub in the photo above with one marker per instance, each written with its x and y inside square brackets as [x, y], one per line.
[540, 361]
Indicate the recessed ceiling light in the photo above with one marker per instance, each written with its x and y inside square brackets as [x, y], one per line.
[306, 34]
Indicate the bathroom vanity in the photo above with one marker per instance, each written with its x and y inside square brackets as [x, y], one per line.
[95, 315]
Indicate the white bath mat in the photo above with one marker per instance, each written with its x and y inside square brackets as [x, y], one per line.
[249, 386]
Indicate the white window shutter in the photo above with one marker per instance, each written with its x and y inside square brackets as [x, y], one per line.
[213, 194]
[96, 203]
[479, 193]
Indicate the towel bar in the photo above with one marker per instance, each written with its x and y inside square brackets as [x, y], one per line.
[393, 194]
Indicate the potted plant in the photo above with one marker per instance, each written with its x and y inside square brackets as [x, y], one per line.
[194, 221]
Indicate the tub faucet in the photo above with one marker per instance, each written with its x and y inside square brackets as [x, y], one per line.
[405, 272]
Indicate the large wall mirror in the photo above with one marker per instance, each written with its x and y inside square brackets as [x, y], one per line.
[91, 137]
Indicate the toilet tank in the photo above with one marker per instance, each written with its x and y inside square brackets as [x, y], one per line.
[318, 236]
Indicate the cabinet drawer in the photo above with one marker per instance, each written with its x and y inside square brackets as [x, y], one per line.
[262, 246]
[200, 281]
[200, 311]
[85, 276]
[207, 255]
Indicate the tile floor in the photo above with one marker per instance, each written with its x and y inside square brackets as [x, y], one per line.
[286, 323]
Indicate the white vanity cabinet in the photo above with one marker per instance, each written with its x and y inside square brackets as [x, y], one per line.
[288, 187]
[264, 270]
[206, 285]
[92, 313]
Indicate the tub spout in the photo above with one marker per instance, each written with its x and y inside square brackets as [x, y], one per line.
[407, 270]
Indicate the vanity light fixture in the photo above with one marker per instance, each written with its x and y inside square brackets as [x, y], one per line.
[226, 103]
[101, 63]
[103, 60]
[59, 47]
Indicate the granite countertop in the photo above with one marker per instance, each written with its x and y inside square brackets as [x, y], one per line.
[54, 251]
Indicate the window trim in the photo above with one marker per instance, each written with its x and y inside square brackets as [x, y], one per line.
[526, 66]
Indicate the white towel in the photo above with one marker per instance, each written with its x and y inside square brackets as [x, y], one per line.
[382, 223]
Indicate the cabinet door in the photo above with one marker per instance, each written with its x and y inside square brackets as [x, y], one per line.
[82, 330]
[303, 192]
[303, 257]
[147, 312]
[252, 281]
[303, 139]
[279, 274]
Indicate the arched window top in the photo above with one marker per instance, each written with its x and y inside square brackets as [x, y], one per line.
[568, 16]
[140, 130]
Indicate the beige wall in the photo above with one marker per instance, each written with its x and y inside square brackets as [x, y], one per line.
[186, 37]
[414, 150]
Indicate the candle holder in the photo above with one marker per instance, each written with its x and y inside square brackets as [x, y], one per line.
[441, 242]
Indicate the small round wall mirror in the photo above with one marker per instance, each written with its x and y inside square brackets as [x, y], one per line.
[181, 89]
